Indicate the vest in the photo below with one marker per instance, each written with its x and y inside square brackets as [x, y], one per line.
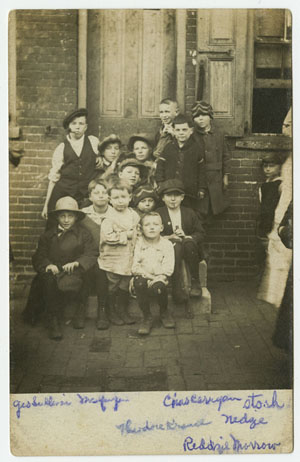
[76, 172]
[270, 196]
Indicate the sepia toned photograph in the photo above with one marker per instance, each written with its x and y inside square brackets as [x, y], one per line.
[150, 200]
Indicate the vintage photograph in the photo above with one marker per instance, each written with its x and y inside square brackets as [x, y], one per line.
[150, 200]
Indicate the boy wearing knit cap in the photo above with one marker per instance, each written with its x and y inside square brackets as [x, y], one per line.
[217, 158]
[144, 199]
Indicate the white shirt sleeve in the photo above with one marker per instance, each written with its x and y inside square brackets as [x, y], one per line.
[57, 162]
[95, 143]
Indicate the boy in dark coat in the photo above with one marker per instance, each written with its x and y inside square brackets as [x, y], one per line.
[183, 159]
[183, 228]
[217, 159]
[65, 252]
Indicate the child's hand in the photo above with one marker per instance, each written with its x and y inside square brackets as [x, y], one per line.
[174, 237]
[160, 278]
[52, 269]
[99, 162]
[225, 181]
[179, 232]
[168, 129]
[130, 234]
[45, 212]
[201, 194]
[69, 267]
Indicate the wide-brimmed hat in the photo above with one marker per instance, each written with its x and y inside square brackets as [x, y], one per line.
[201, 107]
[132, 162]
[173, 185]
[139, 137]
[67, 204]
[272, 158]
[108, 140]
[77, 113]
[142, 192]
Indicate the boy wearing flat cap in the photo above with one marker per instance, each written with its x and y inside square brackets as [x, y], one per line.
[217, 159]
[134, 172]
[144, 199]
[74, 162]
[269, 192]
[183, 228]
[64, 253]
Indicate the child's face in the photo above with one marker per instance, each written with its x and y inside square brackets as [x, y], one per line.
[182, 132]
[271, 170]
[146, 205]
[99, 196]
[203, 121]
[66, 219]
[130, 174]
[111, 152]
[119, 199]
[167, 113]
[141, 150]
[173, 199]
[152, 227]
[78, 127]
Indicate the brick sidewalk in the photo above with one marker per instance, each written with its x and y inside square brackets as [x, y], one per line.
[229, 348]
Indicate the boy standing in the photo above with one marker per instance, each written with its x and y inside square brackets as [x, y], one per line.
[168, 110]
[95, 277]
[65, 252]
[153, 264]
[217, 159]
[74, 162]
[183, 159]
[183, 228]
[117, 241]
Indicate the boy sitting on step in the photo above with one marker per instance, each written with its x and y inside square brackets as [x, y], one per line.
[153, 264]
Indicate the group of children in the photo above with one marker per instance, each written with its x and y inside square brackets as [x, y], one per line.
[120, 224]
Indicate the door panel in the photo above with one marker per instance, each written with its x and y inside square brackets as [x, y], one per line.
[221, 65]
[137, 69]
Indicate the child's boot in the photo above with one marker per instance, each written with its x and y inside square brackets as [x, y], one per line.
[55, 332]
[102, 322]
[79, 317]
[196, 290]
[112, 315]
[145, 327]
[123, 305]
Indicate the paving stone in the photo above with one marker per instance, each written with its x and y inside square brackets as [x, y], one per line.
[153, 358]
[100, 345]
[126, 372]
[176, 383]
[194, 382]
[184, 326]
[117, 384]
[134, 359]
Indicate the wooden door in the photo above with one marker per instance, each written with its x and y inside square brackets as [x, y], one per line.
[221, 65]
[137, 69]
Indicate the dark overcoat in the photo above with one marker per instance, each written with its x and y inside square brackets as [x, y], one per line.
[217, 160]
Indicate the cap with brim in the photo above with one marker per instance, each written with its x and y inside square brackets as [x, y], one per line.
[132, 162]
[139, 137]
[272, 158]
[108, 140]
[201, 107]
[67, 204]
[77, 113]
[169, 186]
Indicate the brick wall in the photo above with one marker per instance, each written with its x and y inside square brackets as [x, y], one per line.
[46, 92]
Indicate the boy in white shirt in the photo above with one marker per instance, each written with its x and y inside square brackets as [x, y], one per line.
[153, 264]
